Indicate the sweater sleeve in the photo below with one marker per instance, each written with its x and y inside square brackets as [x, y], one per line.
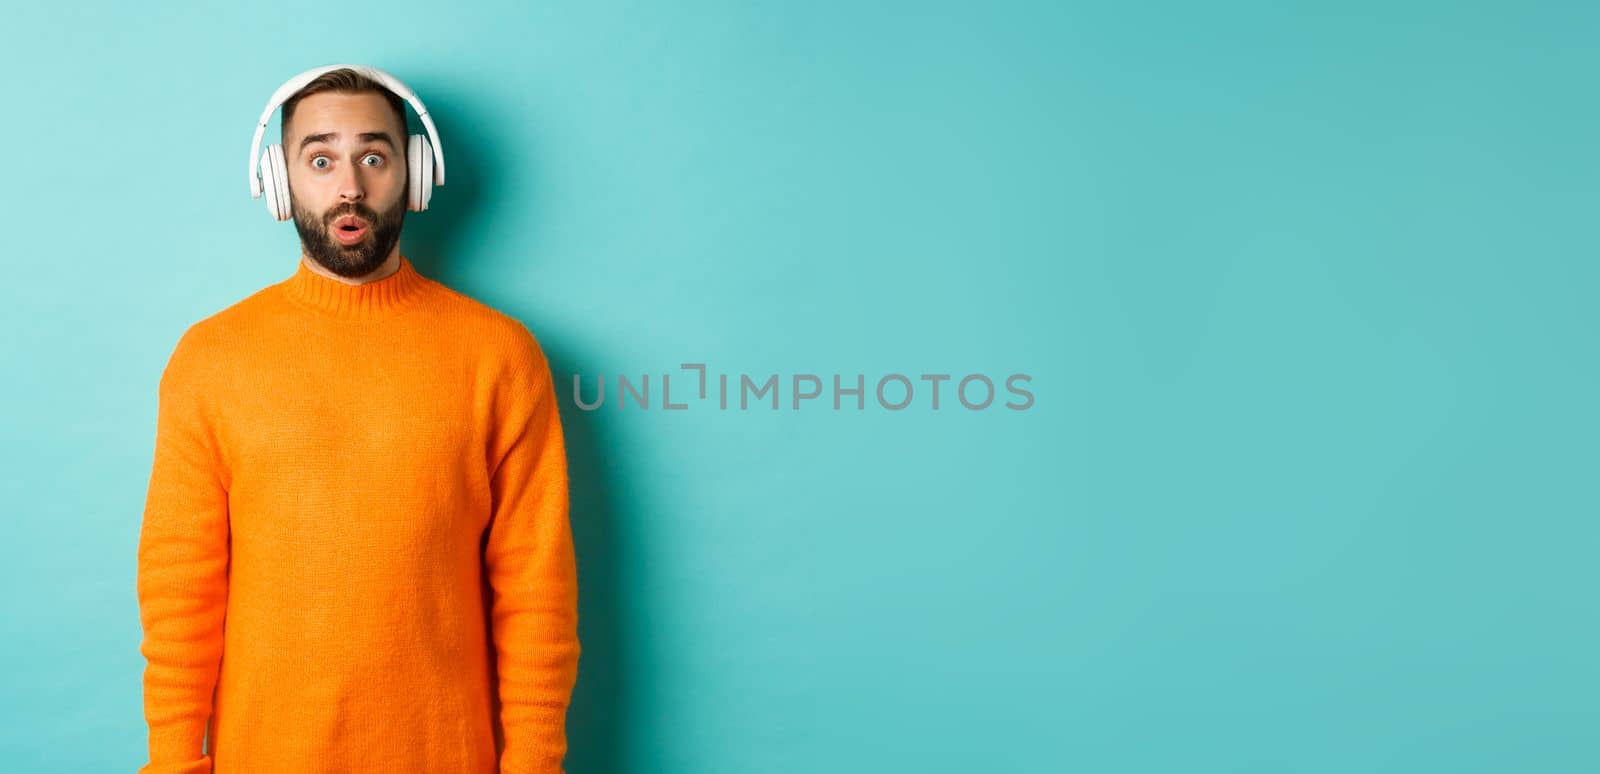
[182, 582]
[532, 571]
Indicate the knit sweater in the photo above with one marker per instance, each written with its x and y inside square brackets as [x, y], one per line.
[355, 553]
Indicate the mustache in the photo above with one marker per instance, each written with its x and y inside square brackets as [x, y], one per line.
[335, 213]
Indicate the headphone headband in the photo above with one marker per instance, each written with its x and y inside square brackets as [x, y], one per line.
[299, 82]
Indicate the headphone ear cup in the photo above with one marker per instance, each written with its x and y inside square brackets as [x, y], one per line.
[275, 182]
[269, 183]
[419, 171]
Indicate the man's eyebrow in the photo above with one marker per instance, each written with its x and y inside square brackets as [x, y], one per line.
[382, 137]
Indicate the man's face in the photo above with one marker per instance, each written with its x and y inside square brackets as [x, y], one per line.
[346, 168]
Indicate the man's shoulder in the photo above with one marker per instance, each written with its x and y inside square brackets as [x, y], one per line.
[496, 330]
[206, 343]
[214, 330]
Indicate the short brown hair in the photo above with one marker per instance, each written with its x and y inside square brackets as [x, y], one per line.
[344, 81]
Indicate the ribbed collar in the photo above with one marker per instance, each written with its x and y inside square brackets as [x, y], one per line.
[367, 301]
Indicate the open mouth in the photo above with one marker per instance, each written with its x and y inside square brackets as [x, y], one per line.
[349, 229]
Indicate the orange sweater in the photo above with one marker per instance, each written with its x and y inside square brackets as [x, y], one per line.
[355, 554]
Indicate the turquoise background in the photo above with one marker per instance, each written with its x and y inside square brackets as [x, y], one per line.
[1307, 292]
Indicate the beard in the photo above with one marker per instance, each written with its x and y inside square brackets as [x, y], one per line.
[361, 258]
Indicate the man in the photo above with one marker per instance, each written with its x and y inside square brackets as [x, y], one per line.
[355, 553]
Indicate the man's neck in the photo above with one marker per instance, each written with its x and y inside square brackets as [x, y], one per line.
[389, 266]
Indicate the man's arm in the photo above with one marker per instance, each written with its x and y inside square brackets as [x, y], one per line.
[182, 574]
[532, 569]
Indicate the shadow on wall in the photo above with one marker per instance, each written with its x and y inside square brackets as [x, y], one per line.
[468, 130]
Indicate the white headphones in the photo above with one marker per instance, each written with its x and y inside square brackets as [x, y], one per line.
[425, 161]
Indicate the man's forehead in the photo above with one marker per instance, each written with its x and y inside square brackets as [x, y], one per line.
[337, 116]
[335, 137]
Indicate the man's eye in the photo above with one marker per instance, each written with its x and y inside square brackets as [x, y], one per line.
[373, 156]
[317, 159]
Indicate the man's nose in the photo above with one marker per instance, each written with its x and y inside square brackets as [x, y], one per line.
[350, 188]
